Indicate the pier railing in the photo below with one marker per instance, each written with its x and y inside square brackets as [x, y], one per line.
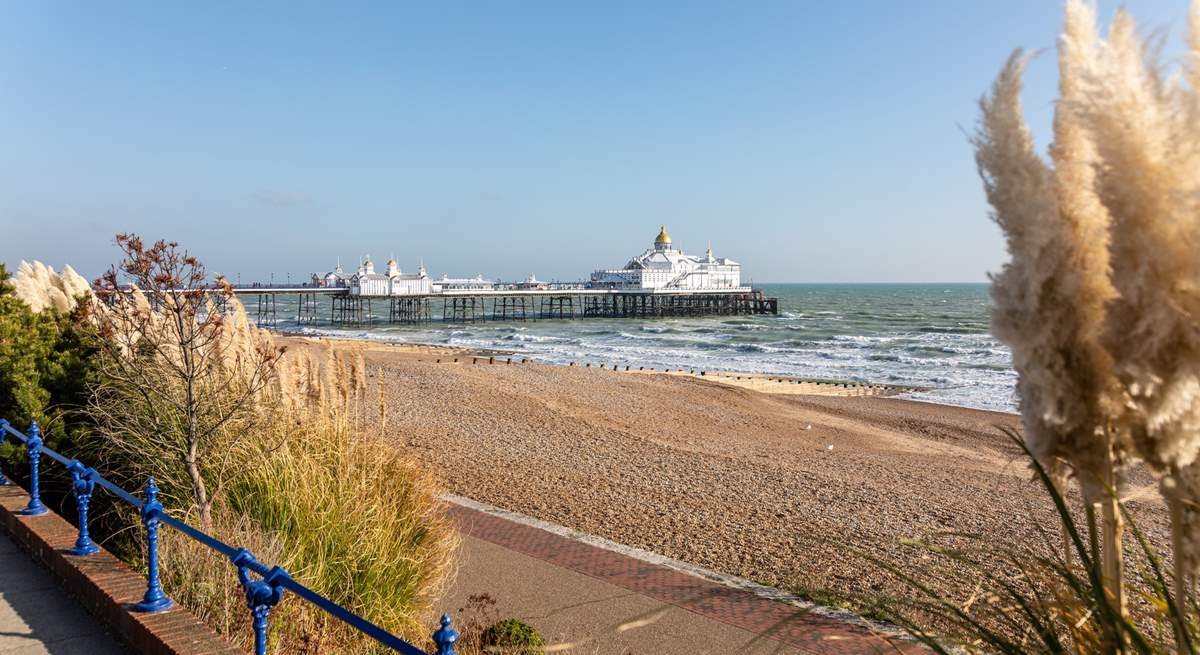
[264, 586]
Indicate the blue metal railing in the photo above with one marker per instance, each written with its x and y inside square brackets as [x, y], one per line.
[262, 594]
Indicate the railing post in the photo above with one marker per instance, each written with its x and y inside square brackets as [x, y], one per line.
[33, 447]
[3, 435]
[83, 483]
[261, 595]
[445, 637]
[154, 600]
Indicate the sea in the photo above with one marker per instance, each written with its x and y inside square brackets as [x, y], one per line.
[931, 336]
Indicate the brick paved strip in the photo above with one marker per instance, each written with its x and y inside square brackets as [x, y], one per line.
[105, 586]
[794, 626]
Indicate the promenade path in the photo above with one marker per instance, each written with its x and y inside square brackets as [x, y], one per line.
[592, 598]
[39, 618]
[586, 596]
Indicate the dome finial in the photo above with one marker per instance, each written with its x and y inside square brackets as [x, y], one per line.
[663, 238]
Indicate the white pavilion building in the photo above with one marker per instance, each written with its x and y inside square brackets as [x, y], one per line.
[366, 282]
[665, 267]
[477, 283]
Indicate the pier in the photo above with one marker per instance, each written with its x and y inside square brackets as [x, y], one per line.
[499, 304]
[661, 282]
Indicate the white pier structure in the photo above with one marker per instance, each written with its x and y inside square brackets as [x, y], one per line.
[662, 281]
[663, 266]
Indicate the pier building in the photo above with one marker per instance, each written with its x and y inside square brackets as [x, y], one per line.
[476, 283]
[394, 282]
[663, 266]
[335, 278]
[531, 283]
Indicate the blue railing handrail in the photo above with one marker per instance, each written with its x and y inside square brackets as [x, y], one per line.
[261, 595]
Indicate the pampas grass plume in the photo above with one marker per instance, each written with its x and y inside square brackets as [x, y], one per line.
[40, 288]
[1150, 184]
[1101, 300]
[1048, 296]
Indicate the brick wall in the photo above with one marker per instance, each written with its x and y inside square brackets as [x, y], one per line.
[104, 585]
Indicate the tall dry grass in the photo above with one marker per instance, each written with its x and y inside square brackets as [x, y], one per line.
[1148, 134]
[264, 452]
[341, 509]
[1100, 301]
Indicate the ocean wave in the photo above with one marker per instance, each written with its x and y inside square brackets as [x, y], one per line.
[534, 338]
[946, 329]
[862, 340]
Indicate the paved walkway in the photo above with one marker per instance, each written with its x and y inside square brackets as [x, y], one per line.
[39, 618]
[590, 599]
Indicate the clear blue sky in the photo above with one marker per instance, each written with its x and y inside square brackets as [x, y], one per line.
[812, 141]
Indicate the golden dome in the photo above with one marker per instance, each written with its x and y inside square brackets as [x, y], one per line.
[663, 237]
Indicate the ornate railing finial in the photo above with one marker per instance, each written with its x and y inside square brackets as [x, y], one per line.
[3, 434]
[33, 447]
[83, 483]
[261, 595]
[445, 637]
[154, 600]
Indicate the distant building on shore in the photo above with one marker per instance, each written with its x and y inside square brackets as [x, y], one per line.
[531, 283]
[665, 267]
[476, 283]
[335, 278]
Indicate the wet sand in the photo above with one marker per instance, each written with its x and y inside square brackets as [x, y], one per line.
[779, 488]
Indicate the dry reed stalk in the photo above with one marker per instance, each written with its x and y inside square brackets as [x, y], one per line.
[1113, 532]
[381, 400]
[364, 519]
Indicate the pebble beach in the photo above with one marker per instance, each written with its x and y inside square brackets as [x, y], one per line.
[788, 489]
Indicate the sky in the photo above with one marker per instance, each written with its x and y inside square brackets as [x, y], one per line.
[810, 141]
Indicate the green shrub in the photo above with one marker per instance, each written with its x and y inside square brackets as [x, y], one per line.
[45, 369]
[512, 637]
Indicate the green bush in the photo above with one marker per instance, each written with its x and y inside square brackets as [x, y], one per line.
[513, 637]
[45, 368]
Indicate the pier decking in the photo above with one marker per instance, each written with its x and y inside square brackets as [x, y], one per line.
[501, 304]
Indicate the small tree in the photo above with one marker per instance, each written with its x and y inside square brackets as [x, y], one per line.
[177, 377]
